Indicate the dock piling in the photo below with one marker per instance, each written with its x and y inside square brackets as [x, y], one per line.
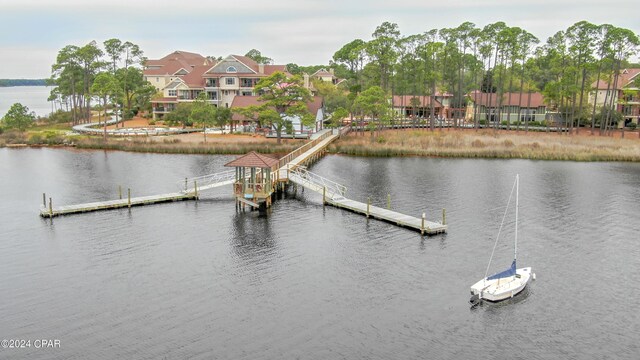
[444, 216]
[389, 201]
[324, 195]
[120, 191]
[422, 226]
[186, 180]
[44, 200]
[129, 197]
[50, 208]
[368, 205]
[195, 187]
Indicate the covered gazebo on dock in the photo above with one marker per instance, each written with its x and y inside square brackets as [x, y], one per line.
[256, 178]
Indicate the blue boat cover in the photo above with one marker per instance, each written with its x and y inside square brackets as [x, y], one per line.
[509, 272]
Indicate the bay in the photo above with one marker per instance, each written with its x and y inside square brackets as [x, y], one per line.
[202, 280]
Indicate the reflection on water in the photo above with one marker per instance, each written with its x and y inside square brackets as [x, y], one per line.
[206, 280]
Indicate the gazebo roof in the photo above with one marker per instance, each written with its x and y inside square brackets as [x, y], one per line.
[254, 160]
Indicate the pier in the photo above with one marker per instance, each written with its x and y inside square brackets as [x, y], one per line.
[255, 180]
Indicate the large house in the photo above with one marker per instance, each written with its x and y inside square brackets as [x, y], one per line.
[510, 107]
[182, 80]
[626, 94]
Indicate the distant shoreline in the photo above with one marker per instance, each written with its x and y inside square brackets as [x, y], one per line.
[22, 82]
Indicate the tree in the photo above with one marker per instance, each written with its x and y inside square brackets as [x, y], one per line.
[105, 86]
[337, 116]
[287, 96]
[18, 117]
[373, 103]
[180, 115]
[257, 56]
[293, 69]
[202, 112]
[221, 117]
[383, 49]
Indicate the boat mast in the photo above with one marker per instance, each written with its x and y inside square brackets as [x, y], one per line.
[515, 251]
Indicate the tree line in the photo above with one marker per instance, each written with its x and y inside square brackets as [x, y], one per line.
[496, 59]
[110, 74]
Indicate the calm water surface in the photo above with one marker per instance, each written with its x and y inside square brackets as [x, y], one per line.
[201, 280]
[33, 97]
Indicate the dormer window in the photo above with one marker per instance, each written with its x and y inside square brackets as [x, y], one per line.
[232, 69]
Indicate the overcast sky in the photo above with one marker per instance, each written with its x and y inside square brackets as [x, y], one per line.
[306, 32]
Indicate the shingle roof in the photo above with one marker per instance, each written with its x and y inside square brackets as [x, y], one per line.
[625, 78]
[535, 100]
[253, 159]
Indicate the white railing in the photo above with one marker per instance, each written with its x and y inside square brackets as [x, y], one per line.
[316, 182]
[207, 181]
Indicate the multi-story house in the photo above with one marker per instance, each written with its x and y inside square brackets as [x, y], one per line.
[625, 96]
[222, 81]
[175, 65]
[509, 107]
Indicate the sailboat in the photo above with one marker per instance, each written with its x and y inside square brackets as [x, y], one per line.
[508, 283]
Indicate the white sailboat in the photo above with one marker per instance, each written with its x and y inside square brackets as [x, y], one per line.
[508, 283]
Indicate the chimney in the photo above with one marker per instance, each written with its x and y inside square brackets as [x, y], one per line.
[306, 80]
[261, 68]
[331, 71]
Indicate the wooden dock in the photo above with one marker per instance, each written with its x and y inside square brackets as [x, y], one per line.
[419, 224]
[115, 204]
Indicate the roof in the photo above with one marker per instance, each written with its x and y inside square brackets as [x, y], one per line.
[625, 78]
[253, 159]
[405, 100]
[535, 100]
[172, 63]
[323, 73]
[195, 78]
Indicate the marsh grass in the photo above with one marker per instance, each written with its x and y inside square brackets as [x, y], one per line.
[175, 146]
[491, 144]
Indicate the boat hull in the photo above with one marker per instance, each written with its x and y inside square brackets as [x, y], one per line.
[503, 288]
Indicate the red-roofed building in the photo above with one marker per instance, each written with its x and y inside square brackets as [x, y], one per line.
[181, 76]
[484, 106]
[418, 106]
[626, 95]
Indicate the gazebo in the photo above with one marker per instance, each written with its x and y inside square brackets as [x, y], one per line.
[256, 179]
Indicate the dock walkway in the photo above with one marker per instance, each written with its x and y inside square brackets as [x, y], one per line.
[115, 204]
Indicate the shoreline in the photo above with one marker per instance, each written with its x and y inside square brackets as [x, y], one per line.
[580, 145]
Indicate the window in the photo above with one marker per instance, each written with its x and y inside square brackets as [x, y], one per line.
[230, 81]
[172, 93]
[232, 69]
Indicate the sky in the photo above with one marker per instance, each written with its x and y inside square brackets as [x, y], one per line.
[305, 32]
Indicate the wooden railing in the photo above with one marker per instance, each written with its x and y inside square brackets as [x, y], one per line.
[297, 152]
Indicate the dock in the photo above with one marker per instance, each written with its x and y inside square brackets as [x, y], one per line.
[334, 194]
[419, 224]
[114, 204]
[255, 182]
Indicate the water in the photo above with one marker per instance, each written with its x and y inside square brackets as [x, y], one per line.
[34, 97]
[200, 280]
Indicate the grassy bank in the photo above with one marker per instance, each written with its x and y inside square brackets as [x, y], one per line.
[172, 146]
[491, 144]
[163, 145]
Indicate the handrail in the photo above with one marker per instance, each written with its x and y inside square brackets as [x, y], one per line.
[295, 153]
[188, 184]
[331, 187]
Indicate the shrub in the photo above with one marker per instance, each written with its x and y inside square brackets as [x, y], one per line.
[381, 140]
[507, 143]
[35, 139]
[631, 126]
